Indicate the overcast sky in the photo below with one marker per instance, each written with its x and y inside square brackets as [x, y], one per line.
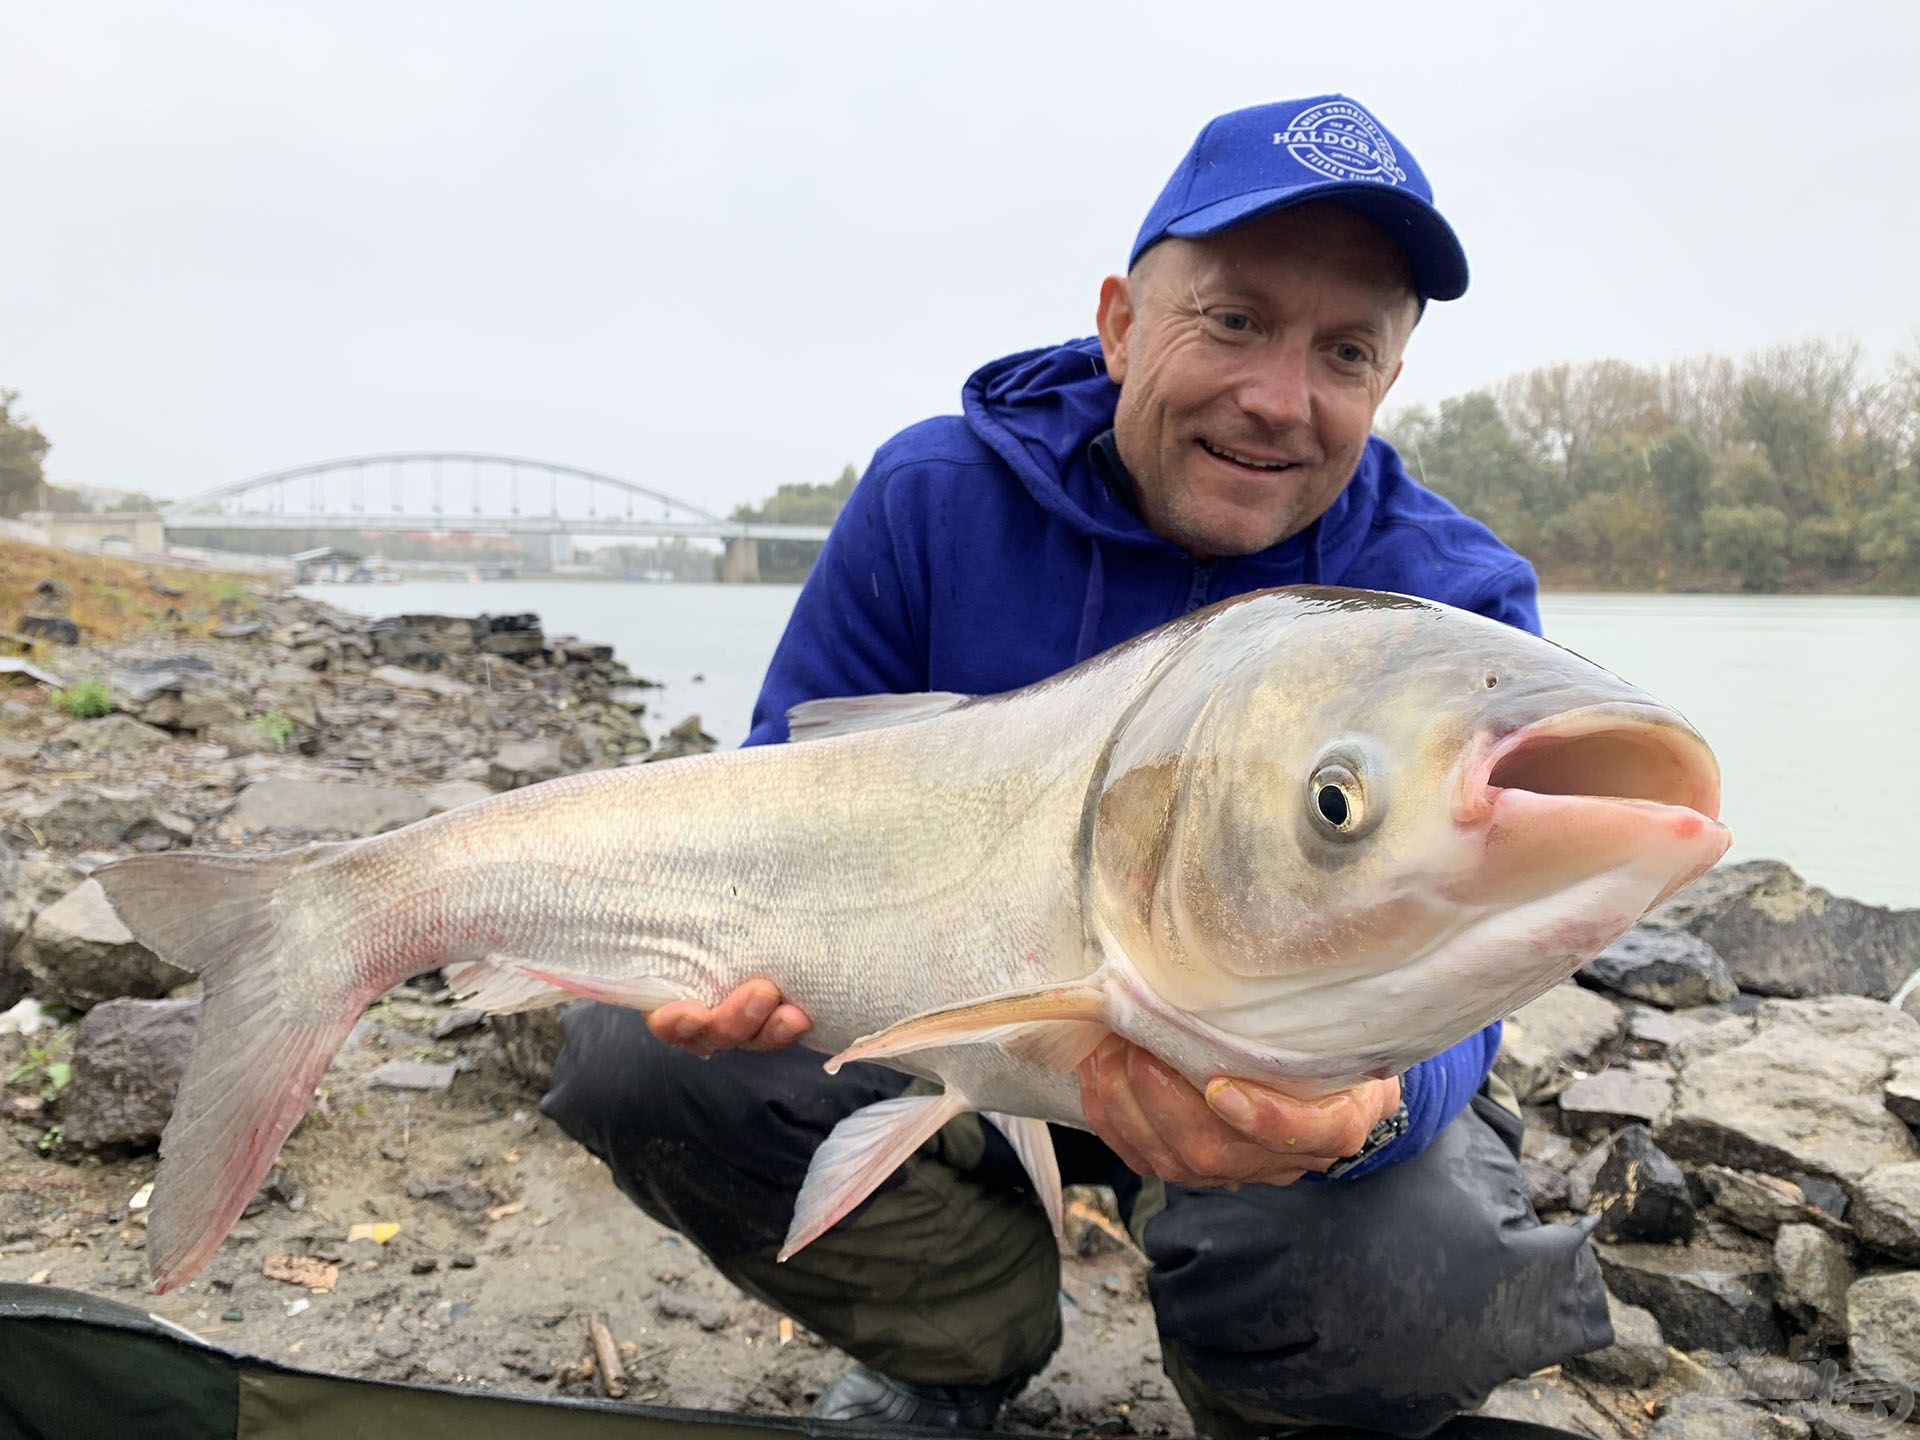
[715, 247]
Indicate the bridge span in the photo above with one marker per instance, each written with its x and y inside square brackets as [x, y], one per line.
[455, 490]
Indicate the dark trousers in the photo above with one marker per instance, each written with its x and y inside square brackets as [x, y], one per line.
[1391, 1301]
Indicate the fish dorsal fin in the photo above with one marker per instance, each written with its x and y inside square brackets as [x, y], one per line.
[1076, 1014]
[1033, 1143]
[863, 1150]
[818, 719]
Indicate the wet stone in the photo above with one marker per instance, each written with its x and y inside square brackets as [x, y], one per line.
[1757, 1203]
[1614, 1098]
[1640, 1193]
[1547, 1187]
[1638, 1354]
[1811, 1277]
[1705, 1298]
[1886, 1210]
[1903, 1092]
[1664, 967]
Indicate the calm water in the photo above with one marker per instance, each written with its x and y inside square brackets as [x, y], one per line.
[1813, 705]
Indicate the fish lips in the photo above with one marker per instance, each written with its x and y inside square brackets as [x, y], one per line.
[1592, 788]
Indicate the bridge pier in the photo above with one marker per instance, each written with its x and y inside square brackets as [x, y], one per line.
[741, 563]
[546, 551]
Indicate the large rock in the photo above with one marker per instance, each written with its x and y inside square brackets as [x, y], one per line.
[1719, 1417]
[1640, 1192]
[93, 817]
[78, 953]
[1781, 936]
[1797, 1086]
[1544, 1044]
[1540, 1401]
[398, 677]
[455, 634]
[114, 734]
[1903, 1092]
[1614, 1098]
[524, 762]
[1672, 968]
[56, 628]
[452, 794]
[1886, 1210]
[1638, 1354]
[286, 806]
[1811, 1275]
[1705, 1297]
[178, 693]
[1883, 1325]
[16, 912]
[1759, 1204]
[128, 1057]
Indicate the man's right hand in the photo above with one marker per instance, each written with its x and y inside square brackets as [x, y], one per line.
[753, 1017]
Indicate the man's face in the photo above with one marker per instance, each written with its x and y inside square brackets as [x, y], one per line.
[1250, 364]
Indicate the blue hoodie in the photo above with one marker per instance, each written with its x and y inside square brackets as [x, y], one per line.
[984, 551]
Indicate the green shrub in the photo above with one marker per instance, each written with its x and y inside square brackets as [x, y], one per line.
[87, 700]
[276, 726]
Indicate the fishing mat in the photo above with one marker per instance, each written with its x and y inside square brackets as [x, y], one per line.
[80, 1367]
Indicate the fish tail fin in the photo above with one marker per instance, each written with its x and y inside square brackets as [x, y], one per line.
[266, 1032]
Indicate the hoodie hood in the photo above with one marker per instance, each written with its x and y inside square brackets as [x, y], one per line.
[1041, 410]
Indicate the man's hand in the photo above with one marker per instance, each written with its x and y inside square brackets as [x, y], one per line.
[753, 1017]
[1238, 1133]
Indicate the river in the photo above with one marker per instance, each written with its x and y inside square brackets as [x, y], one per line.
[1812, 703]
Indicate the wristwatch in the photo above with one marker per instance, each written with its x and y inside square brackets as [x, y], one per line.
[1378, 1138]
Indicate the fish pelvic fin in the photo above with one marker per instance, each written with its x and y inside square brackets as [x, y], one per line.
[863, 1150]
[1056, 1026]
[499, 987]
[1033, 1143]
[261, 1045]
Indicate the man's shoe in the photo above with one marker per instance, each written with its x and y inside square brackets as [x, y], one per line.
[863, 1394]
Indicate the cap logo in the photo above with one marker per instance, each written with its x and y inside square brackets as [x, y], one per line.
[1343, 142]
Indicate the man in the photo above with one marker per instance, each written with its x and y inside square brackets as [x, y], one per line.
[1367, 1259]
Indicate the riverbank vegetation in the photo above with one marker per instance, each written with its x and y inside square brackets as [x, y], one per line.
[111, 598]
[1793, 469]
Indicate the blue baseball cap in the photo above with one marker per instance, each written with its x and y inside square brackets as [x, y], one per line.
[1251, 162]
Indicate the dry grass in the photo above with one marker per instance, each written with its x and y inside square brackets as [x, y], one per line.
[114, 599]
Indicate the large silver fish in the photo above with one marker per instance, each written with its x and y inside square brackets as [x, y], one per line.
[1303, 836]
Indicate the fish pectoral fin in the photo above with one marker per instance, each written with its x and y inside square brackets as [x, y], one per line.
[1082, 1006]
[1033, 1143]
[1056, 1044]
[863, 1150]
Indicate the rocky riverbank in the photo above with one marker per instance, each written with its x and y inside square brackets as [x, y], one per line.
[1727, 1097]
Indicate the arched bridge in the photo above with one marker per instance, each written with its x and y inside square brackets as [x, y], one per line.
[461, 490]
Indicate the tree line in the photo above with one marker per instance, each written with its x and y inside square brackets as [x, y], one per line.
[797, 504]
[1793, 468]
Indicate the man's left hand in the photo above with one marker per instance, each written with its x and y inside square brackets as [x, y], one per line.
[1237, 1133]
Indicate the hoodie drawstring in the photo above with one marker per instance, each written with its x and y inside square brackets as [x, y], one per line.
[1094, 606]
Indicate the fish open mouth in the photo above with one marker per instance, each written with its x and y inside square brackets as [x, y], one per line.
[1612, 788]
[1605, 752]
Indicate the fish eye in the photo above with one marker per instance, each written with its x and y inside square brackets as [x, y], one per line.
[1338, 801]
